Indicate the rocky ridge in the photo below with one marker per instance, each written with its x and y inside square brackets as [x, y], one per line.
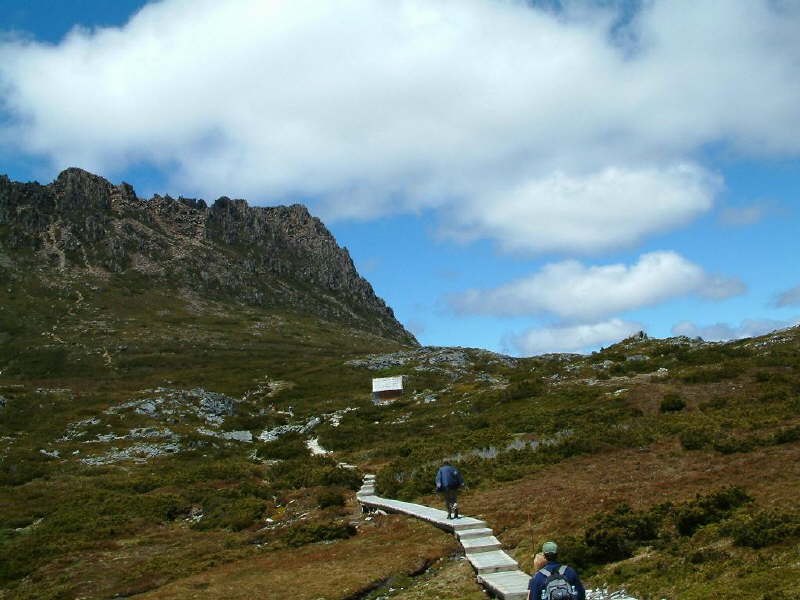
[279, 257]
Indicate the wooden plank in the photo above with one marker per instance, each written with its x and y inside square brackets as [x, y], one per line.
[425, 513]
[508, 585]
[471, 533]
[492, 562]
[481, 544]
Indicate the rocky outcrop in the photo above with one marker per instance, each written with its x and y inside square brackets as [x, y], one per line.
[278, 257]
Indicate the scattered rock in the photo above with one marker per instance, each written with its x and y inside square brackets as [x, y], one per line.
[77, 430]
[269, 435]
[167, 404]
[28, 528]
[195, 513]
[335, 418]
[138, 453]
[604, 594]
[606, 364]
[237, 436]
[313, 445]
[53, 391]
[451, 361]
[267, 388]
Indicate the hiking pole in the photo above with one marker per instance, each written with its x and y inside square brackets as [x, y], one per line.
[530, 531]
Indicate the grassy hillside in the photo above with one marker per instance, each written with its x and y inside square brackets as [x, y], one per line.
[667, 467]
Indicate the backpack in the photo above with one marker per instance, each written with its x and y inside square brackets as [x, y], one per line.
[556, 586]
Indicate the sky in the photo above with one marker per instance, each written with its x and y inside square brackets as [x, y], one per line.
[526, 177]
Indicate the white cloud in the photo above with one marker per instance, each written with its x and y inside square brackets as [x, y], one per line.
[533, 129]
[748, 214]
[573, 338]
[742, 215]
[585, 213]
[574, 291]
[723, 331]
[790, 297]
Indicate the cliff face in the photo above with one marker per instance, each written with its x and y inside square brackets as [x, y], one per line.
[278, 257]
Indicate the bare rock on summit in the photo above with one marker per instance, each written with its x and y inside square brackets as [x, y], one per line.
[279, 257]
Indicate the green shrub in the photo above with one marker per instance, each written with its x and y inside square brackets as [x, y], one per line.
[226, 512]
[764, 528]
[527, 388]
[708, 555]
[330, 497]
[40, 363]
[257, 489]
[786, 436]
[711, 508]
[573, 551]
[712, 375]
[476, 422]
[672, 402]
[729, 444]
[764, 377]
[285, 447]
[696, 438]
[20, 466]
[616, 534]
[346, 478]
[218, 466]
[715, 403]
[771, 396]
[313, 471]
[309, 533]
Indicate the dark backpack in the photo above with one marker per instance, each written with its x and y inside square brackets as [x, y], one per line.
[556, 586]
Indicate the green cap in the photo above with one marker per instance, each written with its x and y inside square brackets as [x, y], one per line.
[549, 548]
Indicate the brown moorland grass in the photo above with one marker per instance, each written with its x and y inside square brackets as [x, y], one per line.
[559, 499]
[384, 546]
[448, 580]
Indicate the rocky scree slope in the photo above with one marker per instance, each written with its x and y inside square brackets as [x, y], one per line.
[274, 257]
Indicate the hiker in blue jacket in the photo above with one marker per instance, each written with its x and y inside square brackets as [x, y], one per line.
[553, 580]
[448, 480]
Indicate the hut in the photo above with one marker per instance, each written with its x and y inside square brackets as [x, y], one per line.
[386, 390]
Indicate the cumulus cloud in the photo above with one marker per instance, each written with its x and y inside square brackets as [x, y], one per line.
[790, 297]
[724, 331]
[585, 213]
[572, 338]
[534, 128]
[574, 291]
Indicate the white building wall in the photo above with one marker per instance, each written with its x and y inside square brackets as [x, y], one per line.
[387, 384]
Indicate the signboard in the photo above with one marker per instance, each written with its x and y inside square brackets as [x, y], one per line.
[387, 384]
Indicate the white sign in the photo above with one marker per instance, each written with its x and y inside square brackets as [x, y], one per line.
[387, 384]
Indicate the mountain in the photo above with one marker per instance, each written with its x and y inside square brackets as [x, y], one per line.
[273, 257]
[185, 412]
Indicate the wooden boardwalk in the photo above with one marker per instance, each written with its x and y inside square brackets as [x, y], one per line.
[496, 570]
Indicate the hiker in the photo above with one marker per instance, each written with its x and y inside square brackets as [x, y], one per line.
[553, 581]
[448, 480]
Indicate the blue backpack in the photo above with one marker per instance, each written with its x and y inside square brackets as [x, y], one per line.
[556, 586]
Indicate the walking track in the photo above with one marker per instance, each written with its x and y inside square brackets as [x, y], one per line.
[497, 571]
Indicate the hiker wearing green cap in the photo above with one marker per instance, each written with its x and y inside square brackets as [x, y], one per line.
[554, 581]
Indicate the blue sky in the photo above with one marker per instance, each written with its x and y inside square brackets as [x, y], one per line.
[523, 177]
